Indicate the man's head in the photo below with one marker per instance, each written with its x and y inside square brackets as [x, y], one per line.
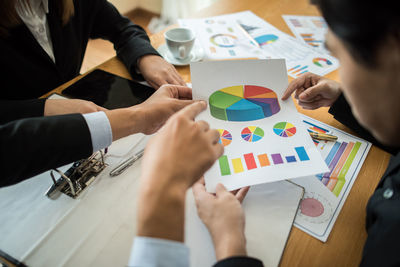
[365, 37]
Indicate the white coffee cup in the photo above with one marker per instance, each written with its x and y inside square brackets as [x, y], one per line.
[180, 42]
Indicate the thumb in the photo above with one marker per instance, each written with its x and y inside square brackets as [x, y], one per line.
[220, 189]
[311, 93]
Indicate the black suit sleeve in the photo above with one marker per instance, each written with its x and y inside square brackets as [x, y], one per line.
[239, 261]
[341, 111]
[11, 110]
[34, 145]
[130, 41]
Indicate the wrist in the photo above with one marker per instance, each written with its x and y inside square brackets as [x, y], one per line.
[124, 122]
[229, 244]
[161, 211]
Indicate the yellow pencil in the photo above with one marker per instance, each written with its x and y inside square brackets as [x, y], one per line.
[322, 136]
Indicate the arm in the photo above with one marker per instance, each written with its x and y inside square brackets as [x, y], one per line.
[11, 110]
[313, 91]
[31, 146]
[184, 158]
[133, 46]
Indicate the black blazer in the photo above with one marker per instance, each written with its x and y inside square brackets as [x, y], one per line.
[26, 71]
[32, 144]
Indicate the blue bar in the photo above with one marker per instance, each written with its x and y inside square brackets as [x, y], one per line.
[312, 124]
[305, 67]
[332, 153]
[291, 159]
[301, 152]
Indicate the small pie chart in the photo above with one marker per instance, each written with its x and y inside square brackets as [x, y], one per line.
[252, 134]
[322, 62]
[225, 137]
[284, 129]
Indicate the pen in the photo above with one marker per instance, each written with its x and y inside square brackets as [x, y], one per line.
[126, 164]
[248, 35]
[322, 136]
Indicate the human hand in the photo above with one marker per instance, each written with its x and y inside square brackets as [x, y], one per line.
[183, 149]
[166, 101]
[156, 71]
[173, 160]
[223, 216]
[67, 106]
[313, 91]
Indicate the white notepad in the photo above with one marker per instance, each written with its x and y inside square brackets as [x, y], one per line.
[270, 210]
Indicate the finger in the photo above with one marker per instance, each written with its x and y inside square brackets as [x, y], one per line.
[220, 190]
[312, 92]
[218, 150]
[203, 126]
[152, 84]
[192, 110]
[214, 136]
[200, 193]
[311, 105]
[184, 92]
[293, 86]
[241, 194]
[180, 104]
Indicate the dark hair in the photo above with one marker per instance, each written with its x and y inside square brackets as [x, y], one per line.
[363, 26]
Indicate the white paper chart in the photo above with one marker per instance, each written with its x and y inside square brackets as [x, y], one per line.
[310, 30]
[326, 193]
[264, 137]
[226, 41]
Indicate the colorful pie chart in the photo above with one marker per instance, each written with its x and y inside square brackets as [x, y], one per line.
[252, 134]
[225, 137]
[284, 129]
[243, 103]
[322, 62]
[266, 39]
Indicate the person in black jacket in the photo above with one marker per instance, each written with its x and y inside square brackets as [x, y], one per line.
[42, 45]
[31, 143]
[365, 37]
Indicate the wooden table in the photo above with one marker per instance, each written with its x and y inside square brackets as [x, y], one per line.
[346, 241]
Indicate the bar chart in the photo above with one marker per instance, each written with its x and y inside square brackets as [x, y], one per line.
[249, 161]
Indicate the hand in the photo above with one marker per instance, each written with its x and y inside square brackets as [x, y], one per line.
[156, 71]
[223, 216]
[173, 160]
[183, 149]
[166, 101]
[67, 106]
[313, 91]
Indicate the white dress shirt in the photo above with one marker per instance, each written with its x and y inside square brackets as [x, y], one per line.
[34, 17]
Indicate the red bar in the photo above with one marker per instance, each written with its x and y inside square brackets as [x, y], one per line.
[250, 161]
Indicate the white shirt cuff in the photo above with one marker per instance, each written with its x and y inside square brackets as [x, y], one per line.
[156, 252]
[100, 130]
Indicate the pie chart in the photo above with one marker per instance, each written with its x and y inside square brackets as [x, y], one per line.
[322, 62]
[252, 134]
[266, 39]
[225, 137]
[243, 103]
[284, 129]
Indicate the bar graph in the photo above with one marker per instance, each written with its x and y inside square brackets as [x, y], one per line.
[298, 70]
[251, 161]
[339, 160]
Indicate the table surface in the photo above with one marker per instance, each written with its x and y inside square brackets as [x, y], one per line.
[346, 241]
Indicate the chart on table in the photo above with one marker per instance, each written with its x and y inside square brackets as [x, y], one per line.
[252, 134]
[284, 129]
[237, 165]
[266, 39]
[243, 103]
[322, 62]
[225, 137]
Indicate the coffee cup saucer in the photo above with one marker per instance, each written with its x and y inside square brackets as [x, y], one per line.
[196, 54]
